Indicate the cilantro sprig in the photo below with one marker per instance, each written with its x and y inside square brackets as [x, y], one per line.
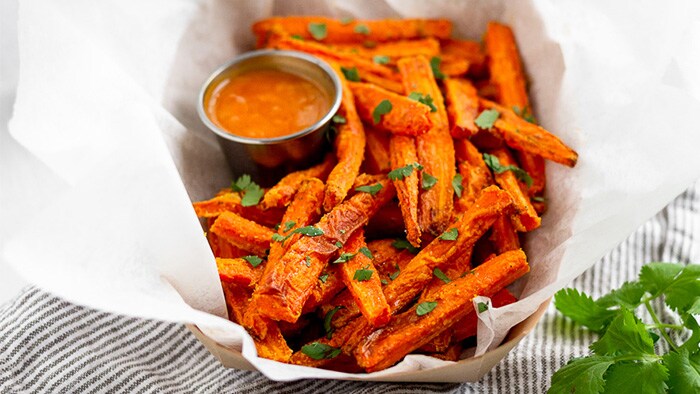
[251, 192]
[495, 165]
[402, 172]
[625, 359]
[423, 99]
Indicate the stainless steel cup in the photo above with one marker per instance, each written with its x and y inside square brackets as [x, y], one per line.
[268, 159]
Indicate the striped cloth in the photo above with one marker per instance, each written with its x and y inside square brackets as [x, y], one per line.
[48, 345]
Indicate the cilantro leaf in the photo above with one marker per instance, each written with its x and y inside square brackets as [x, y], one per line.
[252, 193]
[581, 375]
[441, 275]
[435, 66]
[428, 181]
[307, 261]
[318, 30]
[449, 235]
[400, 243]
[384, 282]
[351, 74]
[684, 292]
[346, 20]
[624, 335]
[365, 250]
[280, 238]
[309, 231]
[339, 119]
[646, 377]
[582, 309]
[538, 199]
[327, 320]
[425, 307]
[253, 260]
[524, 113]
[684, 371]
[289, 225]
[362, 275]
[495, 165]
[381, 59]
[487, 118]
[656, 277]
[402, 172]
[361, 29]
[383, 108]
[338, 244]
[371, 189]
[297, 37]
[319, 351]
[396, 273]
[482, 307]
[628, 295]
[241, 183]
[323, 278]
[457, 184]
[423, 99]
[344, 258]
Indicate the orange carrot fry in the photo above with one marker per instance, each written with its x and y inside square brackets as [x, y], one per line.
[362, 280]
[468, 50]
[406, 117]
[349, 149]
[409, 330]
[377, 159]
[475, 174]
[452, 353]
[231, 202]
[462, 107]
[238, 271]
[466, 327]
[504, 236]
[533, 165]
[390, 52]
[242, 233]
[282, 292]
[403, 153]
[438, 344]
[388, 260]
[540, 206]
[435, 148]
[385, 83]
[281, 194]
[453, 67]
[236, 297]
[329, 284]
[525, 218]
[357, 31]
[221, 247]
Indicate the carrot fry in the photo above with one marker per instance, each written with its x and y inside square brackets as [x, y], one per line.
[403, 153]
[540, 206]
[475, 174]
[238, 271]
[409, 331]
[388, 260]
[525, 218]
[283, 291]
[377, 159]
[452, 353]
[221, 247]
[390, 52]
[503, 235]
[466, 327]
[385, 83]
[358, 31]
[435, 148]
[533, 165]
[330, 283]
[236, 297]
[242, 233]
[462, 107]
[362, 280]
[468, 50]
[231, 202]
[438, 344]
[281, 194]
[349, 149]
[406, 117]
[453, 67]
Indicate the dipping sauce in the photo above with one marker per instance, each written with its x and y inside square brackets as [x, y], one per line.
[267, 104]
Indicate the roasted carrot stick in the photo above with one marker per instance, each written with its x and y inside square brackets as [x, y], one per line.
[357, 31]
[475, 174]
[390, 52]
[466, 327]
[435, 148]
[388, 260]
[525, 219]
[220, 247]
[534, 165]
[389, 84]
[413, 328]
[452, 353]
[362, 280]
[377, 160]
[462, 107]
[238, 271]
[329, 284]
[283, 291]
[281, 194]
[231, 202]
[349, 149]
[470, 51]
[243, 233]
[504, 237]
[453, 67]
[403, 153]
[406, 116]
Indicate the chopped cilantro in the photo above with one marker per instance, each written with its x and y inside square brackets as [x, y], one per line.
[253, 260]
[383, 108]
[351, 74]
[371, 189]
[449, 235]
[318, 30]
[423, 99]
[428, 181]
[495, 166]
[425, 307]
[487, 118]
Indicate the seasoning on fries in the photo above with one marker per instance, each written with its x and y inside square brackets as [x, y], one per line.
[378, 251]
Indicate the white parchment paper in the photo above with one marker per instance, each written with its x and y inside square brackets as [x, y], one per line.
[106, 109]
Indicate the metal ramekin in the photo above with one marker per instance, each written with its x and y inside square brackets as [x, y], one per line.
[268, 159]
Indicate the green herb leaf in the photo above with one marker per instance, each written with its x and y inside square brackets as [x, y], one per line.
[487, 118]
[684, 371]
[435, 66]
[538, 199]
[241, 183]
[624, 335]
[457, 184]
[628, 295]
[362, 275]
[441, 275]
[449, 235]
[525, 114]
[645, 377]
[424, 99]
[253, 260]
[252, 193]
[383, 108]
[323, 278]
[327, 320]
[339, 119]
[402, 172]
[582, 309]
[365, 250]
[318, 30]
[495, 165]
[361, 29]
[280, 238]
[381, 59]
[319, 351]
[338, 244]
[428, 181]
[289, 225]
[384, 282]
[400, 243]
[307, 260]
[351, 74]
[482, 307]
[371, 189]
[346, 20]
[297, 37]
[581, 376]
[396, 273]
[309, 231]
[425, 307]
[344, 258]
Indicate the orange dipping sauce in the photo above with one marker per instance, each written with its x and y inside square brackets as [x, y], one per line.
[267, 104]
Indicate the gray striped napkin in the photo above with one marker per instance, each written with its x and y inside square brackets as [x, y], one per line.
[48, 345]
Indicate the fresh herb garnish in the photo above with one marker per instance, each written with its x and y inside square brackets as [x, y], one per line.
[402, 172]
[396, 273]
[318, 30]
[323, 278]
[435, 66]
[441, 275]
[525, 113]
[309, 231]
[346, 20]
[289, 225]
[425, 307]
[339, 119]
[482, 307]
[279, 238]
[384, 282]
[307, 260]
[252, 193]
[495, 166]
[487, 118]
[319, 351]
[338, 244]
[365, 250]
[253, 260]
[381, 59]
[361, 29]
[624, 358]
[351, 74]
[400, 243]
[538, 199]
[449, 235]
[363, 274]
[383, 108]
[371, 189]
[428, 181]
[297, 37]
[457, 184]
[424, 99]
[327, 320]
[344, 258]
